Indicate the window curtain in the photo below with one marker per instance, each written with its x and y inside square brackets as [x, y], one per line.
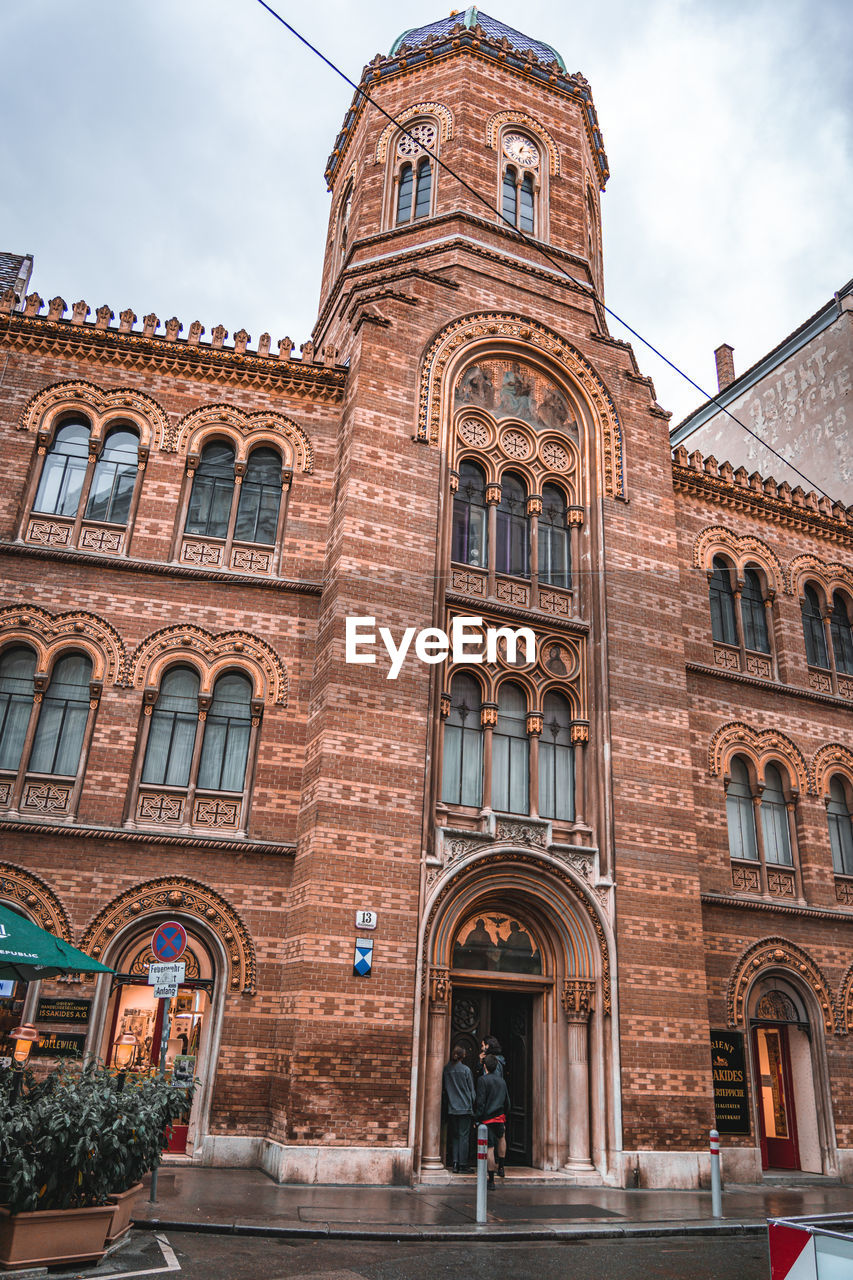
[510, 752]
[840, 830]
[774, 819]
[226, 735]
[555, 561]
[740, 813]
[213, 486]
[62, 718]
[64, 471]
[115, 478]
[723, 627]
[556, 760]
[260, 499]
[512, 532]
[17, 668]
[462, 770]
[469, 535]
[171, 737]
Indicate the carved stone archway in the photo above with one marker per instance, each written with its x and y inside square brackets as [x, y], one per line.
[782, 955]
[35, 898]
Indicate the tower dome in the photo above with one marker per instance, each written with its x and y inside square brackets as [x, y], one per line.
[473, 17]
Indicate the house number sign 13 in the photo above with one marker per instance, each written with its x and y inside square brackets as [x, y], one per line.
[365, 919]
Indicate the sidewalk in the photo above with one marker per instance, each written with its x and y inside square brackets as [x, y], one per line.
[247, 1202]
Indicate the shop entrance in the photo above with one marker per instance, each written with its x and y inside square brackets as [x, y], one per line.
[508, 1015]
[775, 1096]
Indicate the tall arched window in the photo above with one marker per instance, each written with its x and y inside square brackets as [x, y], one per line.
[753, 613]
[171, 737]
[556, 760]
[213, 488]
[840, 829]
[774, 819]
[469, 543]
[413, 172]
[114, 480]
[842, 636]
[17, 668]
[723, 626]
[62, 718]
[64, 471]
[740, 812]
[521, 164]
[227, 730]
[555, 556]
[462, 767]
[510, 752]
[512, 552]
[260, 498]
[813, 630]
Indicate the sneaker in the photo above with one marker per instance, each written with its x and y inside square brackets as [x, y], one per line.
[490, 1182]
[501, 1169]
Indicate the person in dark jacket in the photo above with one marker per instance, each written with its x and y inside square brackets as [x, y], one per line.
[491, 1107]
[458, 1085]
[492, 1045]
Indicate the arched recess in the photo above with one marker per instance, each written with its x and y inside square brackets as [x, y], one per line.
[45, 408]
[786, 957]
[48, 633]
[246, 431]
[830, 576]
[496, 122]
[762, 745]
[210, 654]
[743, 551]
[436, 109]
[826, 761]
[573, 1079]
[487, 334]
[35, 898]
[182, 896]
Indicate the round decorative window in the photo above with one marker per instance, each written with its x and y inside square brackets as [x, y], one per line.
[419, 137]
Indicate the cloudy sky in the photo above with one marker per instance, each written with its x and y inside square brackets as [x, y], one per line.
[169, 156]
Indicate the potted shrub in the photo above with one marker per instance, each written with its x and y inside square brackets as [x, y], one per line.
[65, 1147]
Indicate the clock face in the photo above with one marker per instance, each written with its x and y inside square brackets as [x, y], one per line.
[521, 150]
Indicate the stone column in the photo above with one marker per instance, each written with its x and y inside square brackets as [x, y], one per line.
[577, 1006]
[439, 1008]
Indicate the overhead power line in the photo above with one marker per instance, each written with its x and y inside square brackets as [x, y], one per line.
[539, 248]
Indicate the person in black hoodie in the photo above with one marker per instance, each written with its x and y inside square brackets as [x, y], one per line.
[492, 1045]
[458, 1084]
[491, 1107]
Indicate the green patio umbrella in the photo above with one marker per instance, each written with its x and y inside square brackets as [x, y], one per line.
[28, 952]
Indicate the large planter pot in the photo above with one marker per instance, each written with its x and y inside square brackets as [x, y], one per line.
[124, 1203]
[51, 1236]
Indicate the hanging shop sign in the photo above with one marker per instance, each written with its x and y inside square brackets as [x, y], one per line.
[731, 1097]
[63, 1010]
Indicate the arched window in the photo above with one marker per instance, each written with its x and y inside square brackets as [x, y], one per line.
[462, 768]
[64, 471]
[345, 214]
[260, 498]
[774, 819]
[556, 760]
[753, 613]
[519, 185]
[62, 718]
[842, 636]
[171, 737]
[813, 630]
[114, 480]
[404, 194]
[412, 169]
[740, 812]
[840, 829]
[17, 668]
[555, 556]
[723, 627]
[227, 731]
[512, 554]
[213, 488]
[510, 752]
[469, 543]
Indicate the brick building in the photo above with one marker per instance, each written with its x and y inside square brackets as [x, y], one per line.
[541, 837]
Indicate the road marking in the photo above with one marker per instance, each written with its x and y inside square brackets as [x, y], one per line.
[171, 1261]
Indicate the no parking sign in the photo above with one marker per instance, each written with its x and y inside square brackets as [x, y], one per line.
[169, 941]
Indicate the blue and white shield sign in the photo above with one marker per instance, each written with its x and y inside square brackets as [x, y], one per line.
[363, 962]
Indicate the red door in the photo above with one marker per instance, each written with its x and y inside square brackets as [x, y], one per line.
[775, 1097]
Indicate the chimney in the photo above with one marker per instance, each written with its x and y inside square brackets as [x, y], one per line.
[725, 366]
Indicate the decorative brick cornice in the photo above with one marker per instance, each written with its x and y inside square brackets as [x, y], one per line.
[728, 900]
[787, 690]
[123, 835]
[316, 382]
[473, 43]
[162, 570]
[498, 611]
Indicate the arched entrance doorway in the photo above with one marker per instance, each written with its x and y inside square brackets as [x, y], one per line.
[781, 1043]
[182, 1022]
[517, 948]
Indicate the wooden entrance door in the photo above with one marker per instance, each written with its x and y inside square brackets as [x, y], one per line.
[507, 1015]
[775, 1096]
